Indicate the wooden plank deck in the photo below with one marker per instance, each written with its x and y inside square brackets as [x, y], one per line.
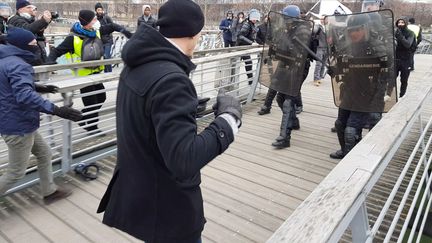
[248, 191]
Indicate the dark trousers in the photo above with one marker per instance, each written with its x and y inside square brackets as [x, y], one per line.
[352, 118]
[92, 100]
[402, 67]
[412, 61]
[289, 118]
[107, 55]
[229, 43]
[248, 67]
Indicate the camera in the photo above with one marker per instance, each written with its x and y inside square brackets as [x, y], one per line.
[55, 15]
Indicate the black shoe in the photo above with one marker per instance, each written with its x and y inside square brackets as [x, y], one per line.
[264, 110]
[60, 193]
[299, 109]
[337, 155]
[333, 129]
[296, 124]
[280, 144]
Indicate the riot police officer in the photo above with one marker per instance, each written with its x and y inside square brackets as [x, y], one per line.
[360, 68]
[288, 76]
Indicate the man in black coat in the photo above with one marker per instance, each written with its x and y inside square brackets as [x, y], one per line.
[106, 35]
[26, 18]
[406, 43]
[155, 192]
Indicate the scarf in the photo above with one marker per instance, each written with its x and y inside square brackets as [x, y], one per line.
[77, 28]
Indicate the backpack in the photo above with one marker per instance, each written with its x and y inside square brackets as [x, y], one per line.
[92, 49]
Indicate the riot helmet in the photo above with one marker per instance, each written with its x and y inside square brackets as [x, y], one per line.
[291, 11]
[358, 28]
[371, 5]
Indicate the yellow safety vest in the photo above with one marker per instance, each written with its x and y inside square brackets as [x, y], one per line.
[76, 57]
[414, 28]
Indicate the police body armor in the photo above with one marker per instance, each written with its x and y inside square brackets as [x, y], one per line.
[362, 61]
[283, 57]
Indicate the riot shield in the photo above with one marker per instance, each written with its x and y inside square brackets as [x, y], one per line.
[361, 58]
[284, 56]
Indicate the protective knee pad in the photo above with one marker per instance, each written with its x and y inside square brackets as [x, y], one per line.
[351, 138]
[287, 116]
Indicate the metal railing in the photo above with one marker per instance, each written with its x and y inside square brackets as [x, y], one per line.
[72, 144]
[210, 39]
[375, 194]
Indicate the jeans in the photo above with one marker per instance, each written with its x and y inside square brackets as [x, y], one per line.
[19, 149]
[107, 55]
[319, 66]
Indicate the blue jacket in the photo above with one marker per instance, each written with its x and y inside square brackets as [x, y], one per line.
[20, 104]
[225, 26]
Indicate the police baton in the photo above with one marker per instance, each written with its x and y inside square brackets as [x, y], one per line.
[310, 52]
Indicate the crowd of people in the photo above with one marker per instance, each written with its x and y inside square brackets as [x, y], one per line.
[160, 152]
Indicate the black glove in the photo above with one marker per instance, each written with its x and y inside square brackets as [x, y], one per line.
[67, 112]
[42, 88]
[127, 33]
[398, 34]
[227, 104]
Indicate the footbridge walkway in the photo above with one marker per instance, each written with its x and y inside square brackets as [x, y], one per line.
[380, 192]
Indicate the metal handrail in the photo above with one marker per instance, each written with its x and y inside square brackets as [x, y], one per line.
[71, 135]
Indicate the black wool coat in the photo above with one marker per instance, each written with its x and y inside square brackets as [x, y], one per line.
[155, 193]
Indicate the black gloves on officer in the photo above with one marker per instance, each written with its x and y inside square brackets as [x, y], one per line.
[42, 88]
[67, 112]
[227, 104]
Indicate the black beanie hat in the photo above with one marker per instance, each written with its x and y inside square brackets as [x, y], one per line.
[19, 37]
[98, 5]
[22, 4]
[180, 18]
[86, 16]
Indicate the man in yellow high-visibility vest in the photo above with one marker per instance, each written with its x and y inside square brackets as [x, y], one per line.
[84, 44]
[418, 34]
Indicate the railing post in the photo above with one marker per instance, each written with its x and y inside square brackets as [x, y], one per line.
[255, 80]
[67, 137]
[360, 228]
[428, 192]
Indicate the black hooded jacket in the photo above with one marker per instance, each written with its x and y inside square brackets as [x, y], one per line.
[405, 41]
[154, 194]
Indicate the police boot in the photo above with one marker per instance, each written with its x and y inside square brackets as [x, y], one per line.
[296, 124]
[283, 140]
[265, 109]
[340, 131]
